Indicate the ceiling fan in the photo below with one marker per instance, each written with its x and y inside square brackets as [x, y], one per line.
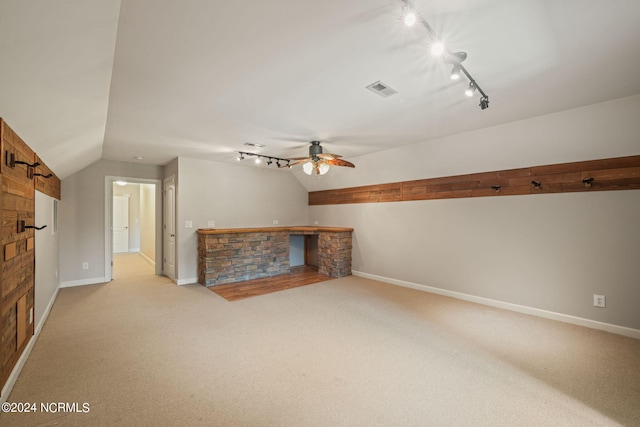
[318, 162]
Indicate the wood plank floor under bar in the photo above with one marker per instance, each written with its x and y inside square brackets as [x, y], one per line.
[299, 276]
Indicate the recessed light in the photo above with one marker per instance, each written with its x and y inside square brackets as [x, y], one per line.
[138, 157]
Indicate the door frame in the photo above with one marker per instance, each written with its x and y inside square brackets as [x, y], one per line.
[170, 179]
[108, 221]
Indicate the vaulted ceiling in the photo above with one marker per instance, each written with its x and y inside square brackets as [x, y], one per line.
[83, 80]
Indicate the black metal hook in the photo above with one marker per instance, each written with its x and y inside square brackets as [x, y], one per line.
[20, 162]
[37, 228]
[536, 184]
[496, 187]
[587, 182]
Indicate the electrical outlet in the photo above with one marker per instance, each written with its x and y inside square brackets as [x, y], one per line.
[275, 222]
[599, 301]
[315, 222]
[85, 265]
[188, 224]
[211, 224]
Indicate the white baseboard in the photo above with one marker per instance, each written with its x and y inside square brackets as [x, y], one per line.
[83, 282]
[191, 281]
[15, 373]
[146, 258]
[593, 324]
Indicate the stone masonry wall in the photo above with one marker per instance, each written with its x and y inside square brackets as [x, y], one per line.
[235, 257]
[334, 254]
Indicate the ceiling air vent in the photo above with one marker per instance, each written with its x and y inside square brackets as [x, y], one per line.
[382, 89]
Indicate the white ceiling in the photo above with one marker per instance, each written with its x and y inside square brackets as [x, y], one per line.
[83, 80]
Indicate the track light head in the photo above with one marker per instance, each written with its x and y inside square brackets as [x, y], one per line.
[437, 48]
[484, 102]
[241, 157]
[409, 17]
[455, 72]
[471, 89]
[456, 57]
[269, 161]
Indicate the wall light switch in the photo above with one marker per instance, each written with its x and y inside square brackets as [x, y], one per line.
[315, 222]
[85, 265]
[188, 224]
[275, 222]
[211, 224]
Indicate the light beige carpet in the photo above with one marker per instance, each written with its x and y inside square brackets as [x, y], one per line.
[347, 352]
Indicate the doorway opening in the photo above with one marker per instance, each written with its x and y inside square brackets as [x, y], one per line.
[133, 213]
[134, 220]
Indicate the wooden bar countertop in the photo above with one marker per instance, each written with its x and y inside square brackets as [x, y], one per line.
[295, 229]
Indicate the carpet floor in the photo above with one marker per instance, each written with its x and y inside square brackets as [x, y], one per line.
[141, 351]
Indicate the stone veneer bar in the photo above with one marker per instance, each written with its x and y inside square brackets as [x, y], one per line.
[237, 254]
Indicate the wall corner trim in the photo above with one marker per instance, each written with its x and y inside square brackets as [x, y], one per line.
[84, 282]
[15, 373]
[566, 318]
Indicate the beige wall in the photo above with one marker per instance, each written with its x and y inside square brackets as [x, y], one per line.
[82, 218]
[548, 252]
[232, 196]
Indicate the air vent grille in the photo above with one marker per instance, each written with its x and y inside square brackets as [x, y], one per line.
[382, 89]
[253, 144]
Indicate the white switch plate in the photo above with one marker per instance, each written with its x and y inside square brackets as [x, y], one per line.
[599, 301]
[275, 222]
[315, 222]
[85, 265]
[211, 224]
[188, 224]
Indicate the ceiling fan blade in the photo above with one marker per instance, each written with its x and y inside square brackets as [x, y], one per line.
[295, 163]
[340, 162]
[328, 156]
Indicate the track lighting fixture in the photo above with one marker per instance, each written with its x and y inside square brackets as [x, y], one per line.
[258, 158]
[454, 58]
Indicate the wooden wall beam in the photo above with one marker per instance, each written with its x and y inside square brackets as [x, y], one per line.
[621, 173]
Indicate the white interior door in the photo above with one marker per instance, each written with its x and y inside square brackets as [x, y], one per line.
[170, 228]
[120, 224]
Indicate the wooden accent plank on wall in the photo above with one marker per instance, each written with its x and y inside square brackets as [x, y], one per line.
[49, 186]
[17, 265]
[621, 173]
[14, 149]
